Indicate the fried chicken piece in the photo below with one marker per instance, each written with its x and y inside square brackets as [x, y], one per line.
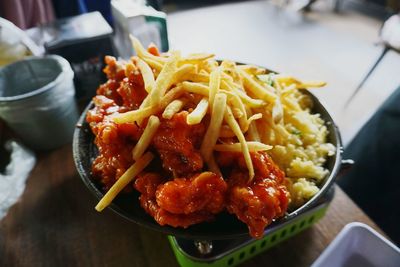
[103, 106]
[262, 200]
[147, 185]
[177, 143]
[114, 141]
[183, 201]
[114, 69]
[131, 88]
[126, 88]
[115, 72]
[202, 192]
[115, 154]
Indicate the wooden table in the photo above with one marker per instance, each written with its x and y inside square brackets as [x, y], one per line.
[55, 224]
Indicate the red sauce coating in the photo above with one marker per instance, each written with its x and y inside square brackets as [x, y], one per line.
[177, 144]
[201, 192]
[153, 49]
[262, 200]
[182, 201]
[196, 195]
[114, 141]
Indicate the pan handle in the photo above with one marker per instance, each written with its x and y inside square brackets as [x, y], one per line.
[346, 165]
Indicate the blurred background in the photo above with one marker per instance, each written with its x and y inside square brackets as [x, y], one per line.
[353, 45]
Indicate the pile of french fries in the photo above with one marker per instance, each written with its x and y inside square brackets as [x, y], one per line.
[244, 102]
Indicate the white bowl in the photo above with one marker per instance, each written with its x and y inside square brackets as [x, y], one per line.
[359, 245]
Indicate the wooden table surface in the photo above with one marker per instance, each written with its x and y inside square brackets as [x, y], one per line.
[55, 224]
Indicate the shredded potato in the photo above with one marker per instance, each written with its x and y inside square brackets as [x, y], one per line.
[215, 80]
[173, 108]
[135, 115]
[198, 113]
[237, 147]
[245, 149]
[196, 58]
[165, 79]
[212, 133]
[147, 136]
[144, 112]
[196, 88]
[245, 109]
[124, 180]
[147, 73]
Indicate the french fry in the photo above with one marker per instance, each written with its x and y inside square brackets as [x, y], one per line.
[212, 133]
[184, 71]
[226, 131]
[226, 77]
[197, 77]
[135, 115]
[228, 65]
[282, 134]
[172, 108]
[237, 113]
[253, 133]
[196, 88]
[204, 72]
[253, 70]
[143, 112]
[237, 147]
[154, 64]
[251, 102]
[147, 74]
[277, 111]
[143, 53]
[209, 65]
[165, 79]
[215, 80]
[245, 150]
[124, 180]
[145, 139]
[172, 94]
[312, 84]
[253, 118]
[256, 88]
[288, 90]
[288, 80]
[290, 104]
[198, 113]
[196, 58]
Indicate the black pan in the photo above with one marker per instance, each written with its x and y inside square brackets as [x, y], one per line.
[225, 226]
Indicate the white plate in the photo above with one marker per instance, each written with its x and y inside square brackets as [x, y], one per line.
[359, 245]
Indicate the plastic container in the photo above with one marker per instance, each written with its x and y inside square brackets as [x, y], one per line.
[37, 101]
[84, 41]
[15, 43]
[144, 22]
[359, 245]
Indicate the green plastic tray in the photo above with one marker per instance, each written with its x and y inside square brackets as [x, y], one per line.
[251, 247]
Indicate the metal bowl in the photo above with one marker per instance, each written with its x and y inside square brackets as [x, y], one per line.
[225, 226]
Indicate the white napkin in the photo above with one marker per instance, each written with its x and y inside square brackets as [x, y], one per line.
[12, 182]
[390, 33]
